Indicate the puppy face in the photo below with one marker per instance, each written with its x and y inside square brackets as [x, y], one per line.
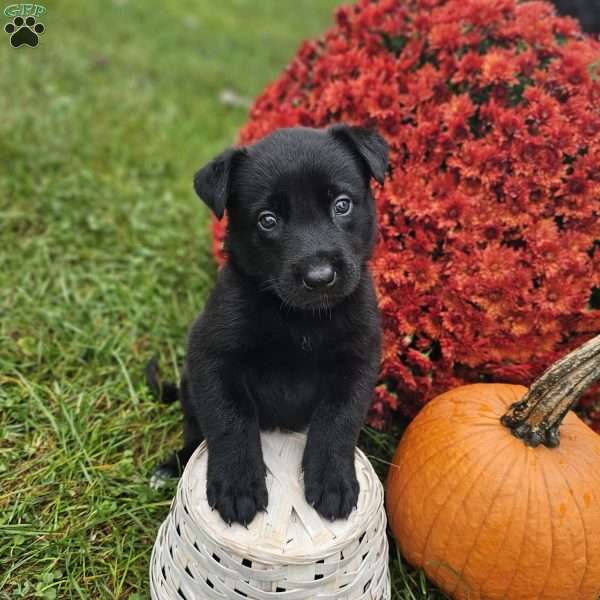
[301, 217]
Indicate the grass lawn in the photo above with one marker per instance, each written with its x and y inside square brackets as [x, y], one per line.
[104, 260]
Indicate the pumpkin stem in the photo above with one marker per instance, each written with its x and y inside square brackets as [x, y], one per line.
[536, 419]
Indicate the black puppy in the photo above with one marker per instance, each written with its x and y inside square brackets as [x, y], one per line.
[290, 335]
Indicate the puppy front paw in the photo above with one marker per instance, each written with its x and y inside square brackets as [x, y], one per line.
[331, 490]
[238, 493]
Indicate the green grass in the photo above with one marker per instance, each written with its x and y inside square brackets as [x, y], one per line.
[104, 260]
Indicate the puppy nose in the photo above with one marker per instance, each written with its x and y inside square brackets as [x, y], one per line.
[319, 276]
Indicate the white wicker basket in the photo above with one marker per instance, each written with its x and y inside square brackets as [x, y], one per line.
[288, 552]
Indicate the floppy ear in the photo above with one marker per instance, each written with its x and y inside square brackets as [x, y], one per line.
[370, 147]
[213, 181]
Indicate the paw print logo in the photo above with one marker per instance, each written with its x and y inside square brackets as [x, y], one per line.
[24, 31]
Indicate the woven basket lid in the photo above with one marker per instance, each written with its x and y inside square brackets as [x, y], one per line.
[290, 530]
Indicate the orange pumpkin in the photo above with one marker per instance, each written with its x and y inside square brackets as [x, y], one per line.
[494, 504]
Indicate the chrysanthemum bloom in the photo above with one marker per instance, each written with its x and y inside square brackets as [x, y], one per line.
[488, 263]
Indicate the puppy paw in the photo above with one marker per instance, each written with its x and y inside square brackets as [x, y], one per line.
[238, 493]
[331, 490]
[163, 475]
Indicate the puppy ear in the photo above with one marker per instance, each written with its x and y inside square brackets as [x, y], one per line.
[367, 144]
[213, 181]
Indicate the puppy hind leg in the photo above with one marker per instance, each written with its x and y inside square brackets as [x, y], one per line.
[174, 465]
[192, 432]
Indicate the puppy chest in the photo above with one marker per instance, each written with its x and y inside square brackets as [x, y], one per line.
[285, 390]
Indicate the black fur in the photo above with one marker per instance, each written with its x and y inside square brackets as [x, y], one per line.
[163, 390]
[290, 335]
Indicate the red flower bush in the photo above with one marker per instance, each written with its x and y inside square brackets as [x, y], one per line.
[488, 263]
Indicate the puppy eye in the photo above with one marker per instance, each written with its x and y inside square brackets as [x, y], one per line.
[342, 206]
[267, 220]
